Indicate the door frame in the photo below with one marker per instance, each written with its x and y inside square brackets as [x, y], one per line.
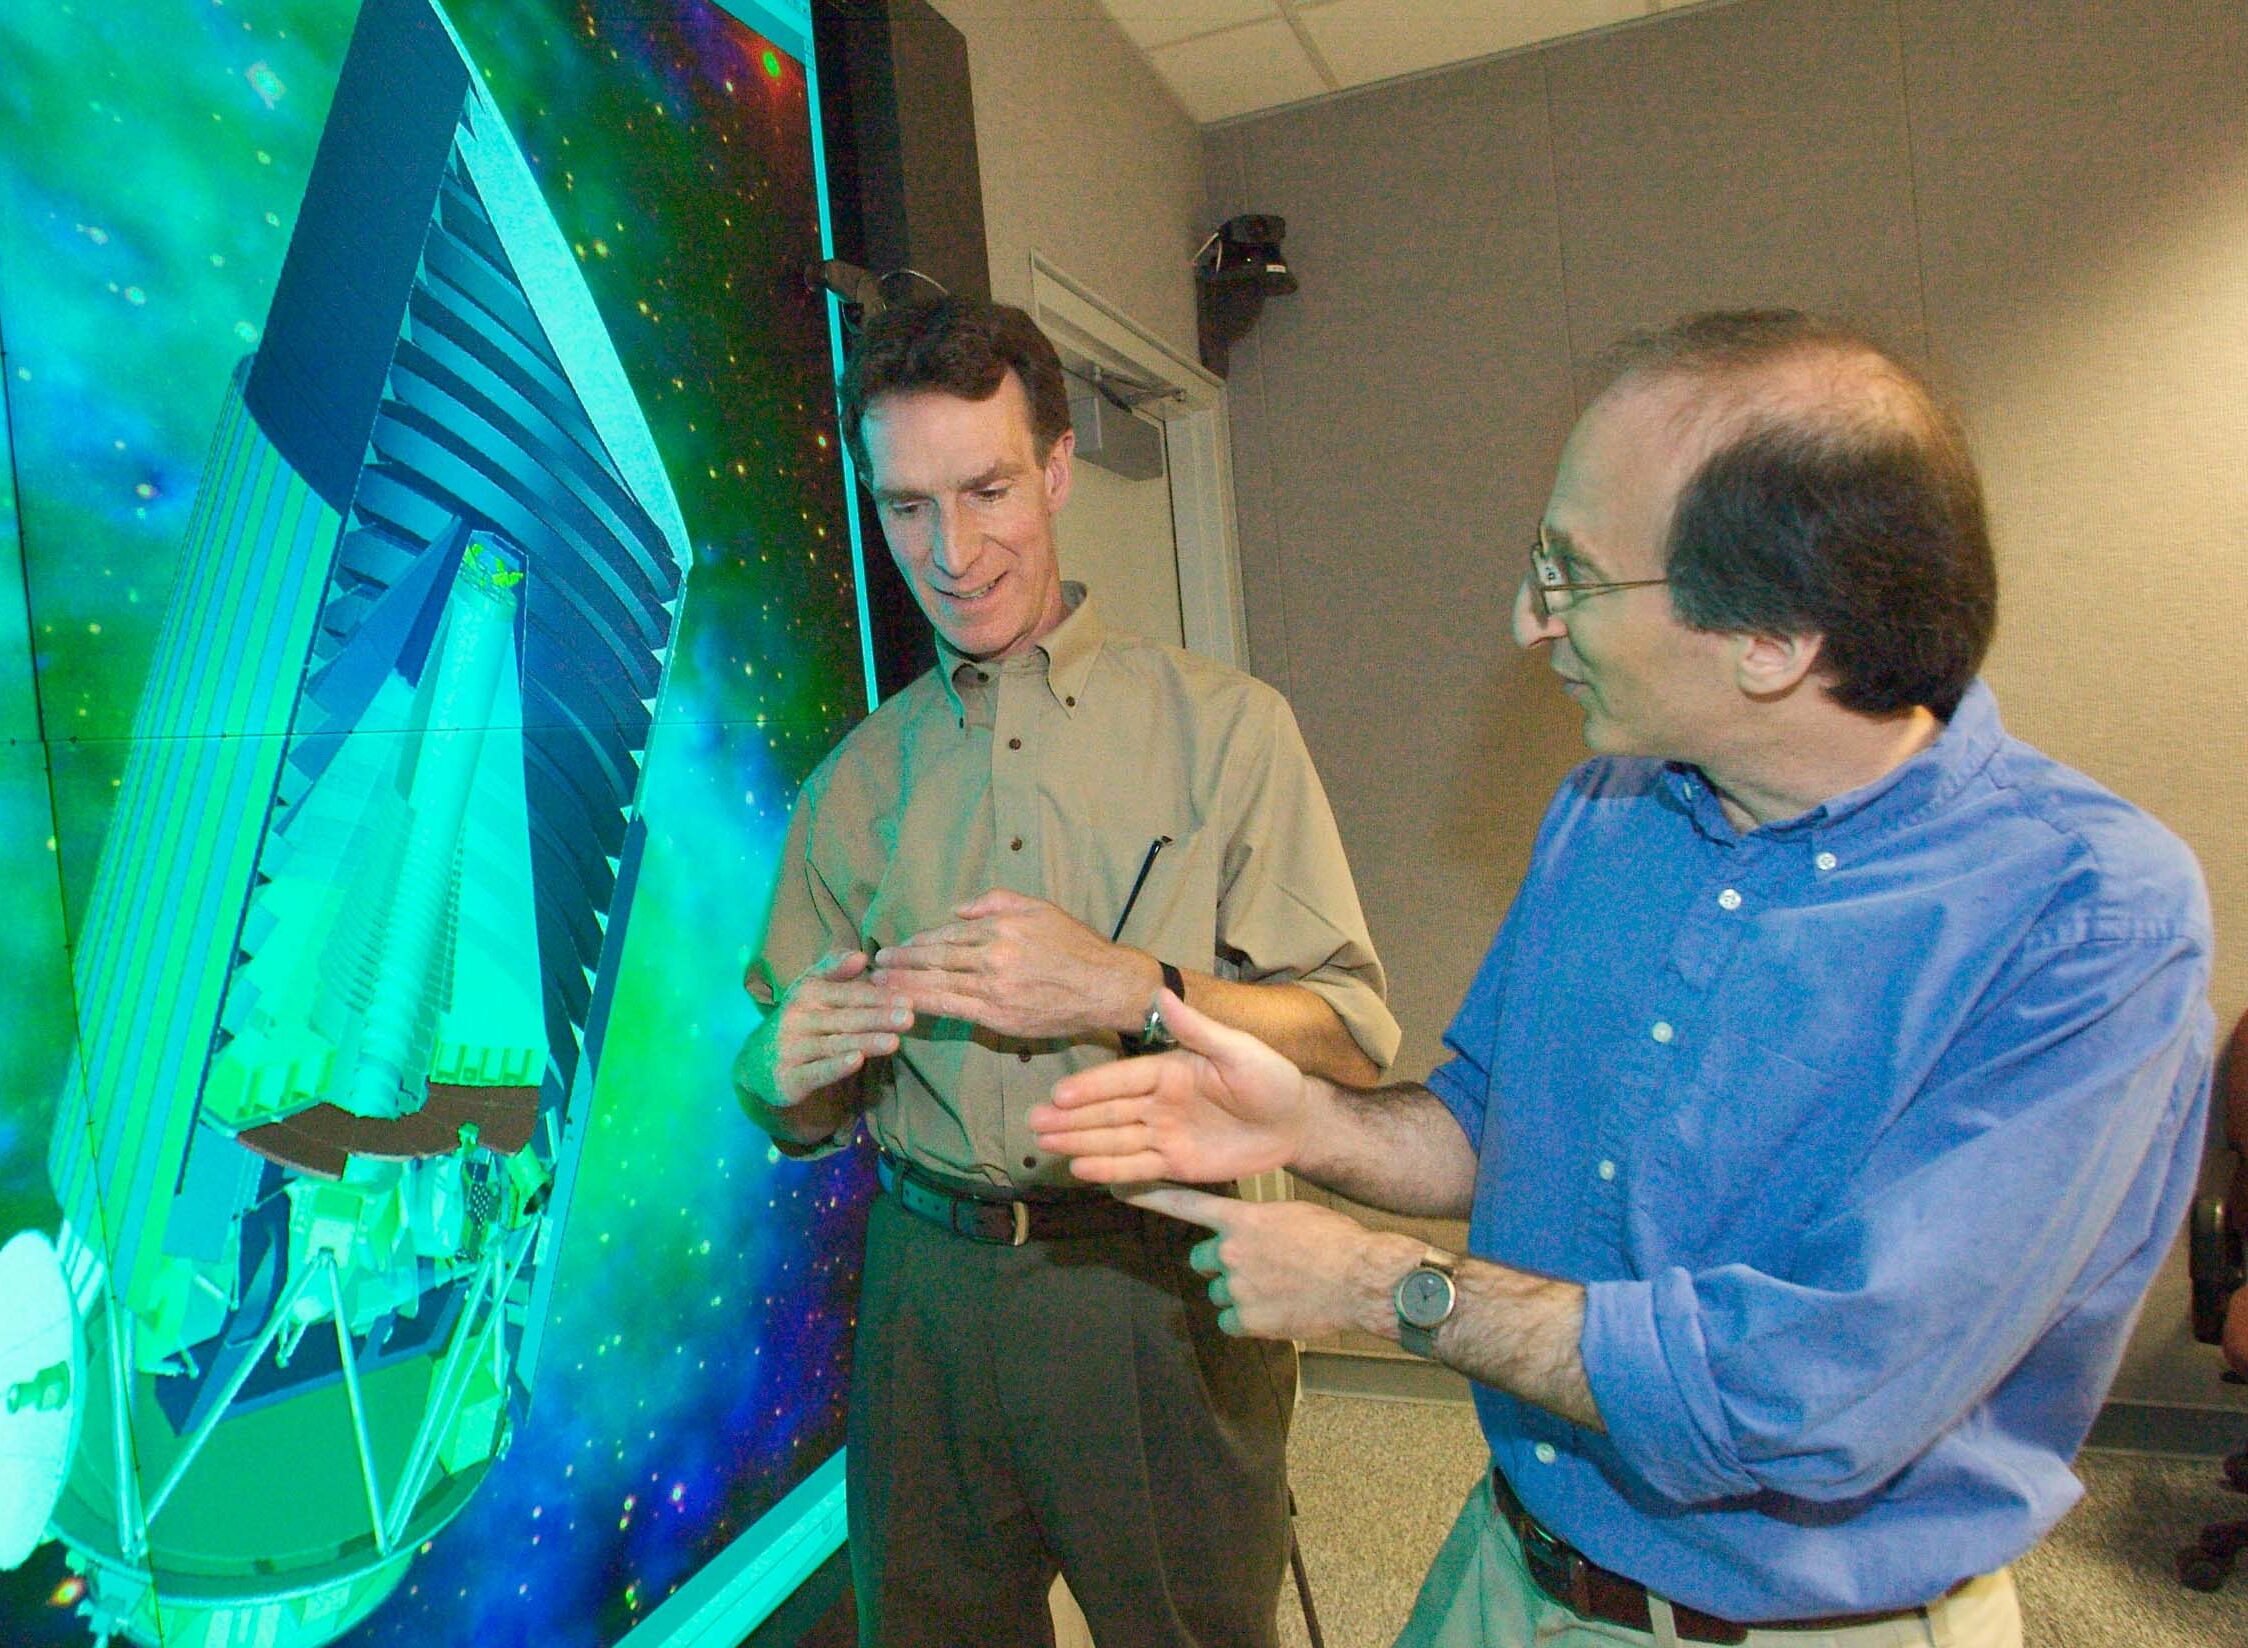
[1190, 405]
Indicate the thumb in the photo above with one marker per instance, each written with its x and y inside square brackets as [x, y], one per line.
[1198, 1032]
[1196, 1207]
[838, 965]
[994, 901]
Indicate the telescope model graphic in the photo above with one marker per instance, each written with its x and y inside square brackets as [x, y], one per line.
[346, 963]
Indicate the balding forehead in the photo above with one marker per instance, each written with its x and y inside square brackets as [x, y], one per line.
[1819, 386]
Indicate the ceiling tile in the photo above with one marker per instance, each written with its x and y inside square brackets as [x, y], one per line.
[1153, 23]
[1366, 40]
[1257, 67]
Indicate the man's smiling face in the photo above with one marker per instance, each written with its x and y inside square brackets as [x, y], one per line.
[1647, 683]
[967, 505]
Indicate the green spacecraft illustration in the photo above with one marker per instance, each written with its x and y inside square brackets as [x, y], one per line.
[345, 967]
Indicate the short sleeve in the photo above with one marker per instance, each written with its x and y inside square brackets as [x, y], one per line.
[1289, 904]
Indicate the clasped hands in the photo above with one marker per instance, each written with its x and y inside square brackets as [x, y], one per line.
[1007, 962]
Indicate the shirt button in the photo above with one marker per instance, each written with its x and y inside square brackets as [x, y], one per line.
[1014, 743]
[1016, 845]
[1069, 703]
[1826, 861]
[1662, 1030]
[1607, 1170]
[1024, 1055]
[1729, 900]
[1030, 1161]
[1545, 1453]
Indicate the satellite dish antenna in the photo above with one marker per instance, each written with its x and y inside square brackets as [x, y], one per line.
[42, 1369]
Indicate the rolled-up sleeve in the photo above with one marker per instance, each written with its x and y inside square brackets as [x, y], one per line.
[2039, 1164]
[1289, 906]
[1463, 1082]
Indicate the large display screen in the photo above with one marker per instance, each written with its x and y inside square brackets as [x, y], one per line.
[428, 578]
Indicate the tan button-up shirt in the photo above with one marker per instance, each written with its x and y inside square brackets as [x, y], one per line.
[1052, 774]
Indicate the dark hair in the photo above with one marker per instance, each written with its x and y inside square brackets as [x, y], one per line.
[1838, 499]
[955, 346]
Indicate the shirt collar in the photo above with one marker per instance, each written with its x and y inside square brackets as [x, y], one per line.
[1927, 779]
[1067, 651]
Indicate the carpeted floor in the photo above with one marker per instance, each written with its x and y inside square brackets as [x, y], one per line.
[1378, 1483]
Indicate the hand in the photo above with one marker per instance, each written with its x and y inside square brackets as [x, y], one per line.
[1222, 1108]
[1289, 1270]
[1022, 967]
[822, 1030]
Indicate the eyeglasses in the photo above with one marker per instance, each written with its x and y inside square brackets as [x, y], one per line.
[1551, 594]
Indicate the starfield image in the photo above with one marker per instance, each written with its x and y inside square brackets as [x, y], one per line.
[429, 578]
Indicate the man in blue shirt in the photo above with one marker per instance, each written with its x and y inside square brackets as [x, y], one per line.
[1828, 1098]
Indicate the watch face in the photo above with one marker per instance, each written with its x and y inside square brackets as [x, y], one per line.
[1424, 1298]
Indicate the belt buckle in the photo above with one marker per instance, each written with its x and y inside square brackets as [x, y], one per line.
[1559, 1569]
[1022, 1221]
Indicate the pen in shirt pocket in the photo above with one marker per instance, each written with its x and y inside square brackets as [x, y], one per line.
[1133, 897]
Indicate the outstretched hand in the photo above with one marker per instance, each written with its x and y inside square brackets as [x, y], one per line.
[1223, 1107]
[1020, 966]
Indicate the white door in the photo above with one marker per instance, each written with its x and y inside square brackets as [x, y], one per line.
[1118, 541]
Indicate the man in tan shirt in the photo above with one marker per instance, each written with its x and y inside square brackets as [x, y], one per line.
[983, 887]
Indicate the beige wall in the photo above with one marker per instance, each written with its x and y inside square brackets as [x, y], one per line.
[1086, 159]
[2048, 205]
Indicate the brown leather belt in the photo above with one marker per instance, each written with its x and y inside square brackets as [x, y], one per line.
[1008, 1221]
[1584, 1587]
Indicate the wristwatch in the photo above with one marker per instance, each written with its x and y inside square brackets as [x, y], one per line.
[1425, 1299]
[1154, 1035]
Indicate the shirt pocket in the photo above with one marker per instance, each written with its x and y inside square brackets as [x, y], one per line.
[1740, 1159]
[1174, 917]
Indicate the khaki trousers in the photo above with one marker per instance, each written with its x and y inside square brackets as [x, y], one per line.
[1479, 1594]
[1062, 1406]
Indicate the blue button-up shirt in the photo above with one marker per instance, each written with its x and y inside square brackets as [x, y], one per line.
[1865, 1131]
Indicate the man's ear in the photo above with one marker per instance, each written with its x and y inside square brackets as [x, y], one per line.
[1769, 666]
[1060, 470]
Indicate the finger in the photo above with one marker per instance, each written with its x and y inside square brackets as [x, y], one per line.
[1220, 1294]
[930, 1000]
[801, 1079]
[837, 964]
[859, 992]
[955, 962]
[1200, 1033]
[1203, 1259]
[955, 939]
[1117, 1079]
[1050, 1121]
[1196, 1207]
[821, 1049]
[843, 1021]
[1145, 1167]
[1129, 1140]
[1229, 1323]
